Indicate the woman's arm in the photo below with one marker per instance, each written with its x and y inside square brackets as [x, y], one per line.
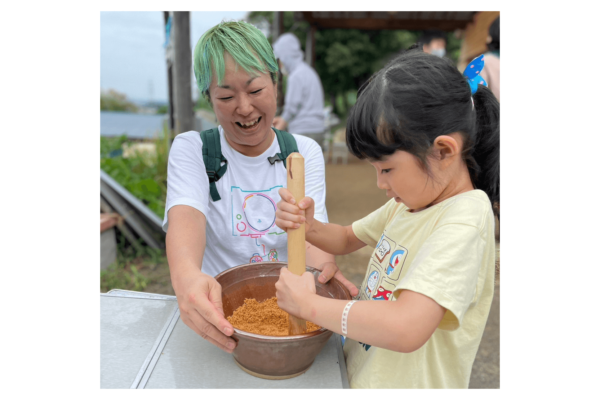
[403, 325]
[198, 294]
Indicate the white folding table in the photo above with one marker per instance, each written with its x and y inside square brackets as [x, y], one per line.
[145, 345]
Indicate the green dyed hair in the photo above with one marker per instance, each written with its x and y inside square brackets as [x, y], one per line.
[246, 44]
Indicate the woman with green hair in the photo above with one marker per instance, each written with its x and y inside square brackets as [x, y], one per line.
[214, 224]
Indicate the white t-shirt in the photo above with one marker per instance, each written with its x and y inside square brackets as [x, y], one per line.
[240, 228]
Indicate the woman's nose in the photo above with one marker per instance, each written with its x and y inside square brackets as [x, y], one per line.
[244, 106]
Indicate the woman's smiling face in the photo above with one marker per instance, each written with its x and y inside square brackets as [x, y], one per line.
[245, 105]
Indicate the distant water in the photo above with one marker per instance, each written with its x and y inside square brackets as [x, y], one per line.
[138, 126]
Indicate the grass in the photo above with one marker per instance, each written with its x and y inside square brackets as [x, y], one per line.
[138, 270]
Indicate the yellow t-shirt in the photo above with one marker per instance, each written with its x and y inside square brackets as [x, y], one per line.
[446, 252]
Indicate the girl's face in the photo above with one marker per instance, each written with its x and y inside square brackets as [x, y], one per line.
[245, 106]
[403, 178]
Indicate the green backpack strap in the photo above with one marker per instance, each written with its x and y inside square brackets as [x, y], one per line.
[211, 153]
[287, 145]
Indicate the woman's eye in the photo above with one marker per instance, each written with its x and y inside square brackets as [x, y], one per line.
[385, 171]
[225, 98]
[256, 91]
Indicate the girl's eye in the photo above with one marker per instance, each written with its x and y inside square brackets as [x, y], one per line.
[225, 98]
[385, 171]
[256, 91]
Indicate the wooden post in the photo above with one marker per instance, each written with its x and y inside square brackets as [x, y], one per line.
[169, 59]
[276, 31]
[182, 72]
[296, 238]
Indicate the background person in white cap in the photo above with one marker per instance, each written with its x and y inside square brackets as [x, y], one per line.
[303, 107]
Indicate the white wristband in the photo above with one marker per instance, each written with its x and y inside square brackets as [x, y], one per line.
[345, 317]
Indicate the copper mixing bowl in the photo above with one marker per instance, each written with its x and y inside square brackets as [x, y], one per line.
[272, 357]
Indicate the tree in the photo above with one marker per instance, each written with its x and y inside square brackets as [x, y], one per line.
[112, 100]
[346, 58]
[298, 28]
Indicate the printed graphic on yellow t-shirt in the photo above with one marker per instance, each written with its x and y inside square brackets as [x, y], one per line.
[386, 267]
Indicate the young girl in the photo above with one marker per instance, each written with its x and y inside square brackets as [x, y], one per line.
[435, 147]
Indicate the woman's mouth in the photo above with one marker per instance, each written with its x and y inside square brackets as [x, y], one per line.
[248, 126]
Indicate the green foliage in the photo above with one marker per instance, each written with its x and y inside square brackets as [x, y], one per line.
[163, 109]
[130, 270]
[115, 101]
[298, 28]
[145, 176]
[110, 145]
[453, 45]
[118, 276]
[346, 58]
[163, 143]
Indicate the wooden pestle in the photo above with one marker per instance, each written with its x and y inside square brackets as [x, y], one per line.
[296, 239]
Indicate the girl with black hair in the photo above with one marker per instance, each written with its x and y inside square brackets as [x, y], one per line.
[434, 143]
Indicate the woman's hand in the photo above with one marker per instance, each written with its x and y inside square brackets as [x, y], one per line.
[201, 308]
[290, 216]
[331, 270]
[293, 291]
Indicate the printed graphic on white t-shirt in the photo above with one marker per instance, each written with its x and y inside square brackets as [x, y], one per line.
[253, 218]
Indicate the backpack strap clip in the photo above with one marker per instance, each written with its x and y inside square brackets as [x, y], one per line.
[214, 176]
[287, 145]
[274, 159]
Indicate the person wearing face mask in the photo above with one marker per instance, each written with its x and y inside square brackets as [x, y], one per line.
[215, 218]
[491, 73]
[434, 42]
[303, 107]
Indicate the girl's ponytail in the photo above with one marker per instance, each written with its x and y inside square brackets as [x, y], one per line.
[485, 170]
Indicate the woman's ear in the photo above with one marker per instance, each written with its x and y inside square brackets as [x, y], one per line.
[447, 147]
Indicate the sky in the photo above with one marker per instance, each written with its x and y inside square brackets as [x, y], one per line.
[132, 56]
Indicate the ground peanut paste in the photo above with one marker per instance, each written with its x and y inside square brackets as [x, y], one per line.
[264, 318]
